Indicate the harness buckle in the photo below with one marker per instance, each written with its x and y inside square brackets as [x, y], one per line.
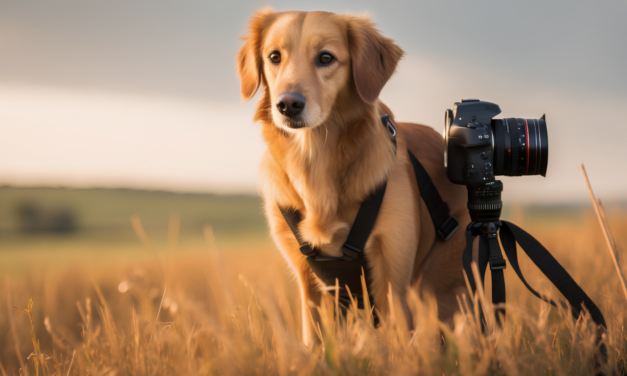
[498, 264]
[307, 250]
[389, 125]
[350, 252]
[448, 228]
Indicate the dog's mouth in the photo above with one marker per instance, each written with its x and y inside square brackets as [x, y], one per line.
[295, 124]
[300, 121]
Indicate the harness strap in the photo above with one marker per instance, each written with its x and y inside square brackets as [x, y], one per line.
[364, 222]
[349, 268]
[358, 235]
[293, 218]
[445, 224]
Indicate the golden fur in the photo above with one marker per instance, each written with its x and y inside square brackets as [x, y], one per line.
[326, 168]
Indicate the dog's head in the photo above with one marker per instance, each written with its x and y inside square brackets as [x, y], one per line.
[311, 61]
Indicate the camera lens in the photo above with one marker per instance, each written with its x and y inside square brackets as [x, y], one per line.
[521, 147]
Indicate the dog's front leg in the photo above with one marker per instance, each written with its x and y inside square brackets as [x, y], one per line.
[391, 263]
[310, 296]
[287, 244]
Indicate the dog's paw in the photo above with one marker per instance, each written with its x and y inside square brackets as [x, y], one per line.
[318, 234]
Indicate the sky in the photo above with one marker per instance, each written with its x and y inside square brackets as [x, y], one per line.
[144, 94]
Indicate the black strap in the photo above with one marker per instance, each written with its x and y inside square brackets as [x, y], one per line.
[509, 245]
[293, 218]
[467, 260]
[348, 268]
[358, 235]
[445, 224]
[497, 264]
[364, 222]
[510, 233]
[489, 253]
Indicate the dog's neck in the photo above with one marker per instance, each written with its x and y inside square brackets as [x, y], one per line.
[327, 170]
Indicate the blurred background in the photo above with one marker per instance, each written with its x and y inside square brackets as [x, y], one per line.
[120, 108]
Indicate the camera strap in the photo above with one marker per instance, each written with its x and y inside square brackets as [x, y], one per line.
[490, 253]
[349, 268]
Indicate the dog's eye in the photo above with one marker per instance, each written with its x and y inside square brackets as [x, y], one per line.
[275, 57]
[325, 58]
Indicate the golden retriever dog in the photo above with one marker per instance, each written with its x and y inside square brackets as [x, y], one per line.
[328, 150]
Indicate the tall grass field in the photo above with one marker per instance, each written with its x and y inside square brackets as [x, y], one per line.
[114, 282]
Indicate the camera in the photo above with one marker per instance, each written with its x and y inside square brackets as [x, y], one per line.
[478, 147]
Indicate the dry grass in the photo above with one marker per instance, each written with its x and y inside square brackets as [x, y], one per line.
[202, 312]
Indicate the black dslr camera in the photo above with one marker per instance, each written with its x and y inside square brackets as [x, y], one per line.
[478, 147]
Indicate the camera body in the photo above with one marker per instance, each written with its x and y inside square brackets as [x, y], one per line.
[469, 142]
[478, 147]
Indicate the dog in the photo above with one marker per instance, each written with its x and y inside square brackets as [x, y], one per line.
[320, 115]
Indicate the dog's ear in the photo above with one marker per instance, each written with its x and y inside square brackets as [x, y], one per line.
[374, 57]
[249, 62]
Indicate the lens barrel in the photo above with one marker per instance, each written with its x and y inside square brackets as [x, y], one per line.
[521, 146]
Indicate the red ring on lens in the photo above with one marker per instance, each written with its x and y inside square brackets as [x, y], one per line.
[527, 141]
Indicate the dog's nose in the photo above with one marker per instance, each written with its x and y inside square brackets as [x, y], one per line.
[290, 104]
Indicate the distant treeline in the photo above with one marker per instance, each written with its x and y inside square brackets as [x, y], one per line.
[31, 210]
[33, 217]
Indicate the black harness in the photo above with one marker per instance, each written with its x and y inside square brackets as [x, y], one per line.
[349, 268]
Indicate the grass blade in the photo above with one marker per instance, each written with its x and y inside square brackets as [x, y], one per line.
[606, 234]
